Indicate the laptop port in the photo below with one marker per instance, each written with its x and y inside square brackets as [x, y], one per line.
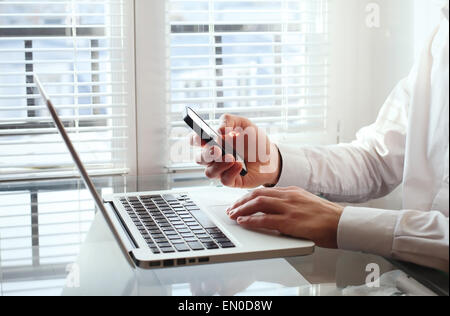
[169, 263]
[155, 264]
[181, 262]
[191, 260]
[203, 260]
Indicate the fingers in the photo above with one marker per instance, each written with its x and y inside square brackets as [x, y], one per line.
[215, 170]
[261, 204]
[231, 176]
[271, 222]
[270, 192]
[209, 155]
[195, 140]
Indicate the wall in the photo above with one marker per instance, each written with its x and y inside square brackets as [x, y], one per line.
[368, 62]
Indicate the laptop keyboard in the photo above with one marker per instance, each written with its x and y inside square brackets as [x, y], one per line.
[173, 223]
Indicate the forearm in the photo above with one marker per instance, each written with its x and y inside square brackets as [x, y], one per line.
[341, 173]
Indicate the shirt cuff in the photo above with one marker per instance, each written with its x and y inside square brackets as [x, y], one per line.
[368, 230]
[296, 168]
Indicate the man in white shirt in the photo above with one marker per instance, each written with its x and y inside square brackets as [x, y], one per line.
[408, 145]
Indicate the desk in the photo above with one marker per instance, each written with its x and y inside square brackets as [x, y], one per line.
[53, 243]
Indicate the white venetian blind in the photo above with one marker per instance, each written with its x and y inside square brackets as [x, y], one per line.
[265, 60]
[77, 48]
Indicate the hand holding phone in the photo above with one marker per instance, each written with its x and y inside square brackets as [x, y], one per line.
[259, 160]
[212, 138]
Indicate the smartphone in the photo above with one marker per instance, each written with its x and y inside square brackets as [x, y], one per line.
[210, 136]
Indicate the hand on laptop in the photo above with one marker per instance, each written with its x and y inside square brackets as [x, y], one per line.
[262, 156]
[291, 211]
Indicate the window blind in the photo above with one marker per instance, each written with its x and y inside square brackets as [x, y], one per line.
[265, 60]
[77, 48]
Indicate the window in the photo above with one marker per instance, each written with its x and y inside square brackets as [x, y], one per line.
[78, 48]
[266, 60]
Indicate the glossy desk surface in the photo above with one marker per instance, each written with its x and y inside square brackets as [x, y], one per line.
[53, 243]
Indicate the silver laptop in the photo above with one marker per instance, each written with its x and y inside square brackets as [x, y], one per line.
[179, 228]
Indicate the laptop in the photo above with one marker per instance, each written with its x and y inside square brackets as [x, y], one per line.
[178, 228]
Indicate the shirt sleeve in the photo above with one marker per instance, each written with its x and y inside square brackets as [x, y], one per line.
[370, 167]
[413, 236]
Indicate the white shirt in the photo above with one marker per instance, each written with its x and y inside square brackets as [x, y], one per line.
[408, 145]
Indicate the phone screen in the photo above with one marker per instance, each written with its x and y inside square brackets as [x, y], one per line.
[208, 135]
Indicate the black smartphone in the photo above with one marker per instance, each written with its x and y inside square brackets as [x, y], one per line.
[210, 136]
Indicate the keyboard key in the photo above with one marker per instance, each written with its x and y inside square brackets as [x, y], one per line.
[167, 249]
[182, 247]
[155, 250]
[195, 246]
[222, 240]
[213, 230]
[227, 245]
[211, 245]
[203, 219]
[187, 235]
[190, 239]
[174, 238]
[218, 235]
[170, 197]
[164, 244]
[177, 241]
